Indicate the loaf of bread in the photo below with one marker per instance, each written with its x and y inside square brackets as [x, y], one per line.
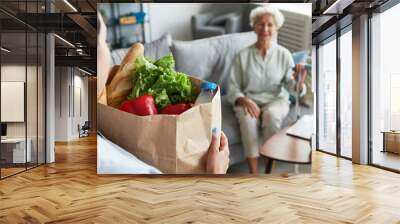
[121, 83]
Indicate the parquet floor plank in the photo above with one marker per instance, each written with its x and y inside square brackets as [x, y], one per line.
[70, 191]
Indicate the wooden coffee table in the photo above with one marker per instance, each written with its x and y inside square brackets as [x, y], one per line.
[285, 148]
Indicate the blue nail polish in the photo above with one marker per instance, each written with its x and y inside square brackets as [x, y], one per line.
[215, 130]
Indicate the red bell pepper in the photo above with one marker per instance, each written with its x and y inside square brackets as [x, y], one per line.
[142, 106]
[176, 108]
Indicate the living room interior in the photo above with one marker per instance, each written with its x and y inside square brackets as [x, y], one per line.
[353, 175]
[220, 31]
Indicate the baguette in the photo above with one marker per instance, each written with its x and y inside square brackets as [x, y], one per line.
[121, 84]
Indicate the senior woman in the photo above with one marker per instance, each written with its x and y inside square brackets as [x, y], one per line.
[261, 78]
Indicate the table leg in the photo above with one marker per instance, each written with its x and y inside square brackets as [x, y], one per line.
[296, 168]
[384, 142]
[268, 165]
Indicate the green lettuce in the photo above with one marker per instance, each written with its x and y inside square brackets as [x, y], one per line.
[159, 79]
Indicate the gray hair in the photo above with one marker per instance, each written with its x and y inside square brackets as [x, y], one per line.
[278, 16]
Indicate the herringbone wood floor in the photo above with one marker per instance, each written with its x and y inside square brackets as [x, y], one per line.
[70, 191]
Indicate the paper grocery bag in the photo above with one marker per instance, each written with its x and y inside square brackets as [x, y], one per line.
[175, 144]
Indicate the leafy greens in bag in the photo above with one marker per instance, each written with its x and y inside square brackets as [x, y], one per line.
[159, 79]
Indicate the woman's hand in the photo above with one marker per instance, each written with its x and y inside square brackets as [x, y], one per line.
[218, 154]
[249, 106]
[302, 72]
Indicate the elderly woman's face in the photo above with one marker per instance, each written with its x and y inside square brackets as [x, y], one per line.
[265, 26]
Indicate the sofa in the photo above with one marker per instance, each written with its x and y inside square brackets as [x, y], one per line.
[210, 59]
[221, 18]
[207, 25]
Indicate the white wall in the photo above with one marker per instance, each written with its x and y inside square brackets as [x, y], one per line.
[302, 8]
[68, 84]
[61, 103]
[17, 73]
[81, 83]
[173, 18]
[33, 126]
[14, 73]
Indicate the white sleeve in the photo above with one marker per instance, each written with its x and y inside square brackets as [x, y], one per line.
[112, 159]
[235, 81]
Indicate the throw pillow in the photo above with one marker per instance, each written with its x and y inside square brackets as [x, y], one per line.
[158, 48]
[210, 58]
[155, 49]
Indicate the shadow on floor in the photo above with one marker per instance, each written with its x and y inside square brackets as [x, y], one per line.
[277, 168]
[386, 159]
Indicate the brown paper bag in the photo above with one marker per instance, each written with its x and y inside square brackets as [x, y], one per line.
[175, 144]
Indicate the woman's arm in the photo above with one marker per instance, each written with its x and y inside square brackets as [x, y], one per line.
[235, 82]
[290, 78]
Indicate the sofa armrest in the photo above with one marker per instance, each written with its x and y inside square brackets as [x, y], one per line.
[198, 21]
[233, 23]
